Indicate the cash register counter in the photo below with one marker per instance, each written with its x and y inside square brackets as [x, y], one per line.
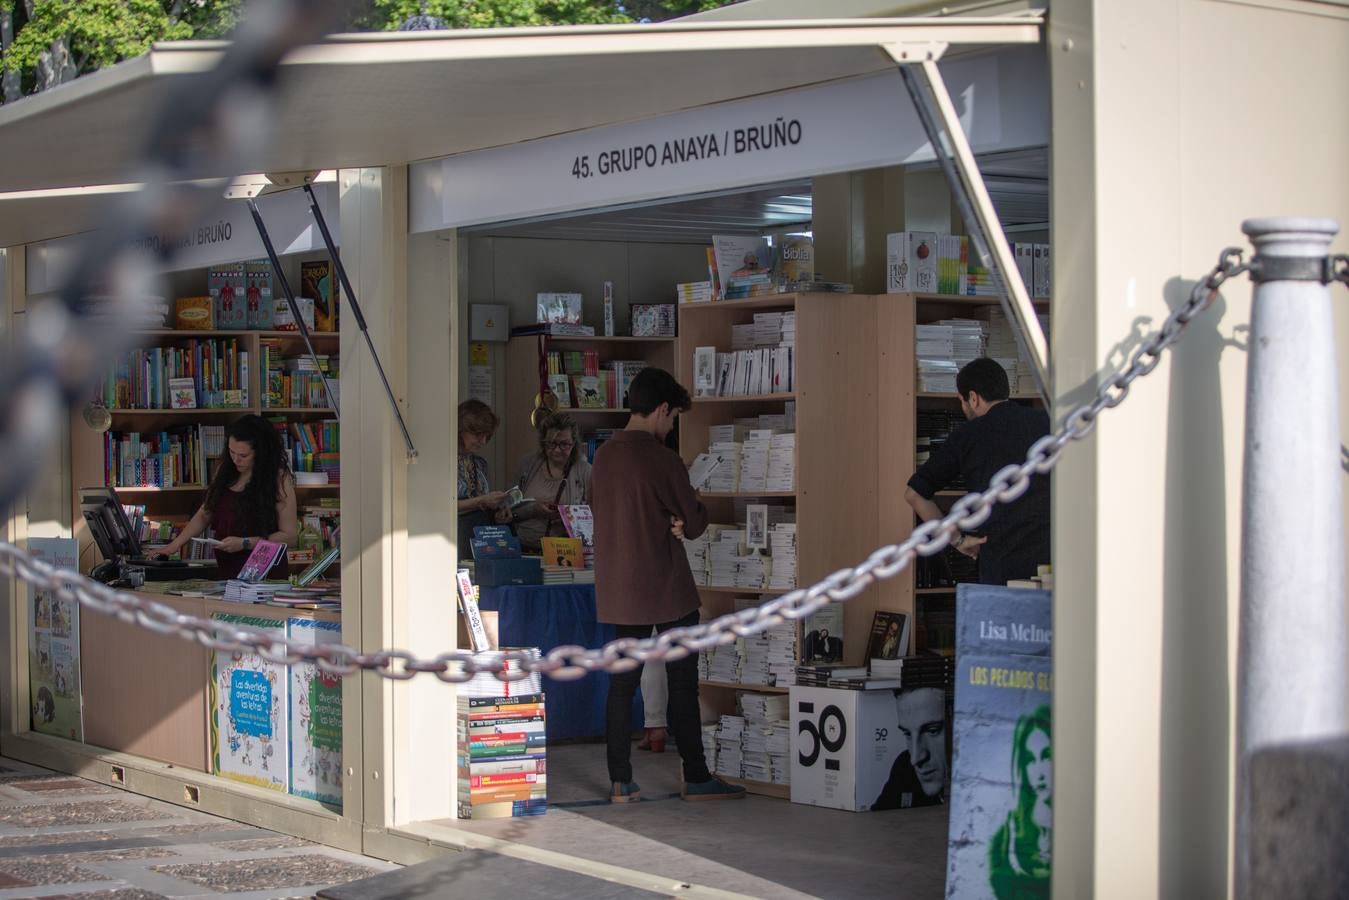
[147, 693]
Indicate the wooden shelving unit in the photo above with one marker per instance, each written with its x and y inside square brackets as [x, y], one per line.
[178, 503]
[522, 385]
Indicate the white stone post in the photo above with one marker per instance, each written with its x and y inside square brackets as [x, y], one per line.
[1291, 645]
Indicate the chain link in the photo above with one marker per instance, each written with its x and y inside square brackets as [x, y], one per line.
[569, 663]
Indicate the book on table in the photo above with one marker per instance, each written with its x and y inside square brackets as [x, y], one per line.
[261, 561]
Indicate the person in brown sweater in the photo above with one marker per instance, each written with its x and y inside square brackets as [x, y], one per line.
[643, 506]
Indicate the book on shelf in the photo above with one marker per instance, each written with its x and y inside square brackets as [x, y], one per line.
[554, 329]
[742, 260]
[824, 635]
[591, 392]
[154, 377]
[889, 635]
[265, 555]
[713, 274]
[560, 385]
[655, 319]
[319, 285]
[164, 459]
[502, 756]
[468, 606]
[796, 258]
[558, 308]
[193, 314]
[579, 522]
[490, 541]
[227, 287]
[259, 300]
[183, 393]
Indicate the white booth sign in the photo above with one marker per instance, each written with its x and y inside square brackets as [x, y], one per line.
[229, 237]
[845, 126]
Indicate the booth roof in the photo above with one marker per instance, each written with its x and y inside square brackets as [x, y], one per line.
[394, 98]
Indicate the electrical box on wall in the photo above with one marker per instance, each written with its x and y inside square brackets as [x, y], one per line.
[489, 322]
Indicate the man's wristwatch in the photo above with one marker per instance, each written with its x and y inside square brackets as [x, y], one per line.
[248, 543]
[959, 541]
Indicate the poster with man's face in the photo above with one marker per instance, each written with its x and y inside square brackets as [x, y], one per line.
[918, 771]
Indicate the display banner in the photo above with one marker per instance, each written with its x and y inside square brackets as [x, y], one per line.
[54, 647]
[229, 236]
[315, 718]
[861, 123]
[249, 715]
[1002, 783]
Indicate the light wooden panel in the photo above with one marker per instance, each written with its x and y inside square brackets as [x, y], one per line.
[837, 451]
[145, 693]
[896, 439]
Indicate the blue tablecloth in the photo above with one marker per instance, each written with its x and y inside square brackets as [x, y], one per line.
[548, 616]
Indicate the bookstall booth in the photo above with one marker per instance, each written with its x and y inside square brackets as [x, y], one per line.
[410, 187]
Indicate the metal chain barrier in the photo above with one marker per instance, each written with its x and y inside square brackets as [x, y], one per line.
[568, 663]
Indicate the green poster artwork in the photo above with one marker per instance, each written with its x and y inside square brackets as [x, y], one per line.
[325, 712]
[54, 649]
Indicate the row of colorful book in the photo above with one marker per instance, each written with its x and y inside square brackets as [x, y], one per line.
[209, 373]
[155, 459]
[927, 262]
[502, 756]
[296, 381]
[312, 447]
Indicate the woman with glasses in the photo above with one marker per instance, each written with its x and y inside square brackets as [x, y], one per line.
[478, 503]
[556, 475]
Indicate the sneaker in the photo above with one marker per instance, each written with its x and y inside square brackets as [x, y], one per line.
[625, 792]
[712, 789]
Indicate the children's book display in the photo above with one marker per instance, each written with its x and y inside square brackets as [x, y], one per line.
[250, 739]
[315, 718]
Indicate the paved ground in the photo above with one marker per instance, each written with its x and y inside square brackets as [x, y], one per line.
[62, 836]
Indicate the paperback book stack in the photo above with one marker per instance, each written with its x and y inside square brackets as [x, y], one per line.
[696, 551]
[502, 756]
[754, 461]
[845, 678]
[782, 544]
[723, 557]
[245, 592]
[766, 723]
[1006, 349]
[486, 684]
[942, 348]
[721, 664]
[730, 753]
[694, 292]
[725, 478]
[781, 474]
[710, 745]
[930, 670]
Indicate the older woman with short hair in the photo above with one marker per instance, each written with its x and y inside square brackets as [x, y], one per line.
[556, 474]
[478, 503]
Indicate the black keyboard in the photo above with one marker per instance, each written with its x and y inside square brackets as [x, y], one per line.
[156, 563]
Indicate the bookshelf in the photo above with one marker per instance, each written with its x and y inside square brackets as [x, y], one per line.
[177, 502]
[522, 386]
[851, 351]
[934, 607]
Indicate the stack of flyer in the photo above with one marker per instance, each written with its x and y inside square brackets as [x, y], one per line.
[502, 756]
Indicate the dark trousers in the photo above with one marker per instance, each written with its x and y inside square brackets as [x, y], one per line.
[685, 720]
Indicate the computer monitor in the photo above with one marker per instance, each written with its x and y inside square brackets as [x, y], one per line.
[108, 523]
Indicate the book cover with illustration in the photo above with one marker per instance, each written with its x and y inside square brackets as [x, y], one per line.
[260, 561]
[193, 314]
[742, 259]
[249, 716]
[228, 290]
[315, 718]
[889, 635]
[318, 283]
[258, 295]
[560, 551]
[1001, 823]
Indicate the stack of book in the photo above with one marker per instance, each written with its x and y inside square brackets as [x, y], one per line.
[694, 292]
[312, 448]
[930, 670]
[486, 684]
[237, 591]
[721, 663]
[782, 545]
[723, 557]
[297, 381]
[781, 474]
[1007, 350]
[696, 551]
[502, 757]
[754, 461]
[730, 752]
[766, 722]
[943, 347]
[710, 745]
[725, 478]
[132, 312]
[855, 678]
[888, 669]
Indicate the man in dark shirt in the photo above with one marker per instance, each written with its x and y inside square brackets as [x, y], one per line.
[1015, 538]
[643, 505]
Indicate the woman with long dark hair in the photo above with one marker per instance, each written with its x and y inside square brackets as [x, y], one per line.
[251, 497]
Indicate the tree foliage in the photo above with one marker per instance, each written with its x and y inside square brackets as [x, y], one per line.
[46, 42]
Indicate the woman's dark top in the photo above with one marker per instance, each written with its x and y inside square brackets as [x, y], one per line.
[230, 519]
